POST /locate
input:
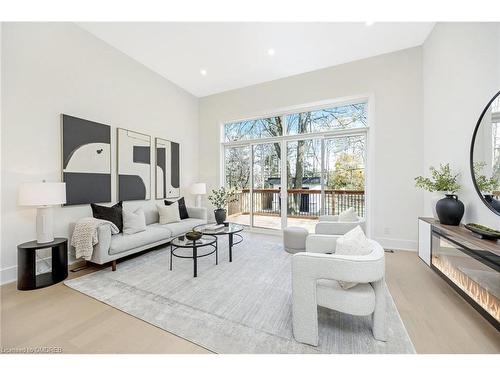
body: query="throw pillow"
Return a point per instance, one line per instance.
(134, 222)
(348, 215)
(183, 213)
(113, 213)
(353, 242)
(169, 214)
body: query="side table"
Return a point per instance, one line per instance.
(27, 279)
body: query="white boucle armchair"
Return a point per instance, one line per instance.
(315, 275)
(330, 224)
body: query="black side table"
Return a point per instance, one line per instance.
(27, 279)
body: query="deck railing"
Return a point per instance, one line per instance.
(302, 203)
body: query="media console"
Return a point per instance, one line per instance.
(469, 264)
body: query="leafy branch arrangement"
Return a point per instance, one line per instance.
(442, 179)
(484, 184)
(221, 197)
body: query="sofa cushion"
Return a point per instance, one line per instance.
(134, 222)
(113, 213)
(153, 233)
(183, 226)
(183, 213)
(169, 214)
(151, 214)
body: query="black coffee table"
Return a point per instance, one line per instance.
(231, 230)
(205, 241)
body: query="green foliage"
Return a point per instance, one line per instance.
(221, 197)
(485, 184)
(349, 173)
(442, 179)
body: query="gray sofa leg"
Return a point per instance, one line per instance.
(113, 265)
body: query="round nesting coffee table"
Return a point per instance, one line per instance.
(206, 241)
(231, 230)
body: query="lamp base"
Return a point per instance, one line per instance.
(44, 224)
(198, 200)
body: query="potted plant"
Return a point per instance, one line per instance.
(443, 181)
(486, 185)
(220, 198)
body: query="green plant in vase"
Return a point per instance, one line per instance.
(220, 198)
(443, 181)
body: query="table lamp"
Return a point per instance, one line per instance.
(43, 195)
(199, 189)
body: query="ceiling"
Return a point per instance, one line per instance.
(236, 55)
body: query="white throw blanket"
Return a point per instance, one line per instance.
(85, 236)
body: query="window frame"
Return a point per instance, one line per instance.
(285, 138)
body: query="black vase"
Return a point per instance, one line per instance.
(220, 215)
(450, 210)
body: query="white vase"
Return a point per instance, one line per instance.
(436, 195)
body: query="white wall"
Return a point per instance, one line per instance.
(461, 73)
(395, 82)
(54, 68)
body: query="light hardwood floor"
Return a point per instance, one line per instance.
(438, 320)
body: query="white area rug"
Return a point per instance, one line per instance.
(239, 307)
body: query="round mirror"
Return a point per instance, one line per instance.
(485, 155)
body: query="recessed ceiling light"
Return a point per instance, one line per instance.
(271, 52)
(203, 72)
(369, 23)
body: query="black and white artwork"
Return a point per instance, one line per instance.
(167, 169)
(86, 149)
(134, 165)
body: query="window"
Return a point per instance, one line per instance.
(253, 129)
(344, 117)
(323, 166)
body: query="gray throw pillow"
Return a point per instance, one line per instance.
(134, 222)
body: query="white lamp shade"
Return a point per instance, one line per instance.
(199, 188)
(42, 193)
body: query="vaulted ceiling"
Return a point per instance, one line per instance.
(208, 58)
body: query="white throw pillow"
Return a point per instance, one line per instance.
(353, 242)
(133, 222)
(169, 214)
(348, 215)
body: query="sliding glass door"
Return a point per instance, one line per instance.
(237, 176)
(304, 183)
(344, 174)
(290, 169)
(266, 202)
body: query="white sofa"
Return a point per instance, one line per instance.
(330, 224)
(112, 247)
(315, 275)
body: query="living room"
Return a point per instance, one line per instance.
(250, 187)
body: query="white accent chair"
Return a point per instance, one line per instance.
(315, 275)
(330, 224)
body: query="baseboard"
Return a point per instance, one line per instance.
(397, 244)
(272, 232)
(8, 275)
